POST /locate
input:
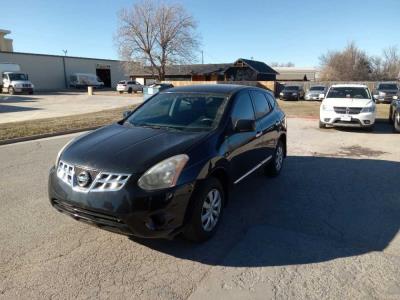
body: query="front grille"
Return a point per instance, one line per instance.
(26, 85)
(100, 181)
(347, 110)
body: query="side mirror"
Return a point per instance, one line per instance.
(126, 113)
(245, 125)
(321, 96)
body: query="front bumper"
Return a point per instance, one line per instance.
(129, 211)
(312, 97)
(289, 97)
(360, 120)
(23, 90)
(386, 99)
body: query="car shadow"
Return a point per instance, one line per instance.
(318, 209)
(13, 108)
(17, 99)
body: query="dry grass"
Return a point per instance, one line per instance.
(60, 124)
(310, 109)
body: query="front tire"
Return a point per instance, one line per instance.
(396, 125)
(11, 91)
(322, 125)
(274, 167)
(206, 210)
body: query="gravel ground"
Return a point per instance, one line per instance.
(326, 228)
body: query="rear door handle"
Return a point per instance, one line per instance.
(258, 134)
(277, 123)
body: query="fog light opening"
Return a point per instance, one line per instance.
(327, 120)
(367, 122)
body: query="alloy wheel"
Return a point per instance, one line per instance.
(211, 210)
(279, 157)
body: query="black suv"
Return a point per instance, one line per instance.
(292, 92)
(385, 91)
(168, 166)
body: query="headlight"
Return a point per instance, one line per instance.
(368, 109)
(18, 85)
(382, 94)
(281, 94)
(165, 174)
(294, 94)
(327, 107)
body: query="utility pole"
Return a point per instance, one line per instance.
(65, 72)
(202, 57)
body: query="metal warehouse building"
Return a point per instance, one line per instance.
(51, 72)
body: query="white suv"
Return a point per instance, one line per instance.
(129, 86)
(348, 105)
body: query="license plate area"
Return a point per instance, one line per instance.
(345, 118)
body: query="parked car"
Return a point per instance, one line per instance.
(385, 91)
(394, 113)
(292, 92)
(83, 80)
(348, 105)
(154, 88)
(316, 92)
(169, 165)
(129, 86)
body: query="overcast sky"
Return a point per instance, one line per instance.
(271, 31)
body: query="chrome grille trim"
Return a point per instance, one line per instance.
(347, 110)
(103, 182)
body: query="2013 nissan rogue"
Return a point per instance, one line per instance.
(169, 165)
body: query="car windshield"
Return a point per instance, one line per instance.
(387, 86)
(349, 92)
(317, 88)
(291, 88)
(180, 111)
(18, 76)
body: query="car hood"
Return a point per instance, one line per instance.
(21, 82)
(122, 149)
(347, 102)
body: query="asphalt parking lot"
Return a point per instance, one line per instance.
(58, 104)
(328, 227)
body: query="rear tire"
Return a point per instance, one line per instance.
(274, 167)
(120, 92)
(130, 91)
(207, 203)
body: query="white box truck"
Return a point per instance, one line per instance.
(13, 80)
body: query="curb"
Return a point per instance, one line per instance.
(45, 135)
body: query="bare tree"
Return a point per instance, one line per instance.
(391, 63)
(156, 34)
(349, 64)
